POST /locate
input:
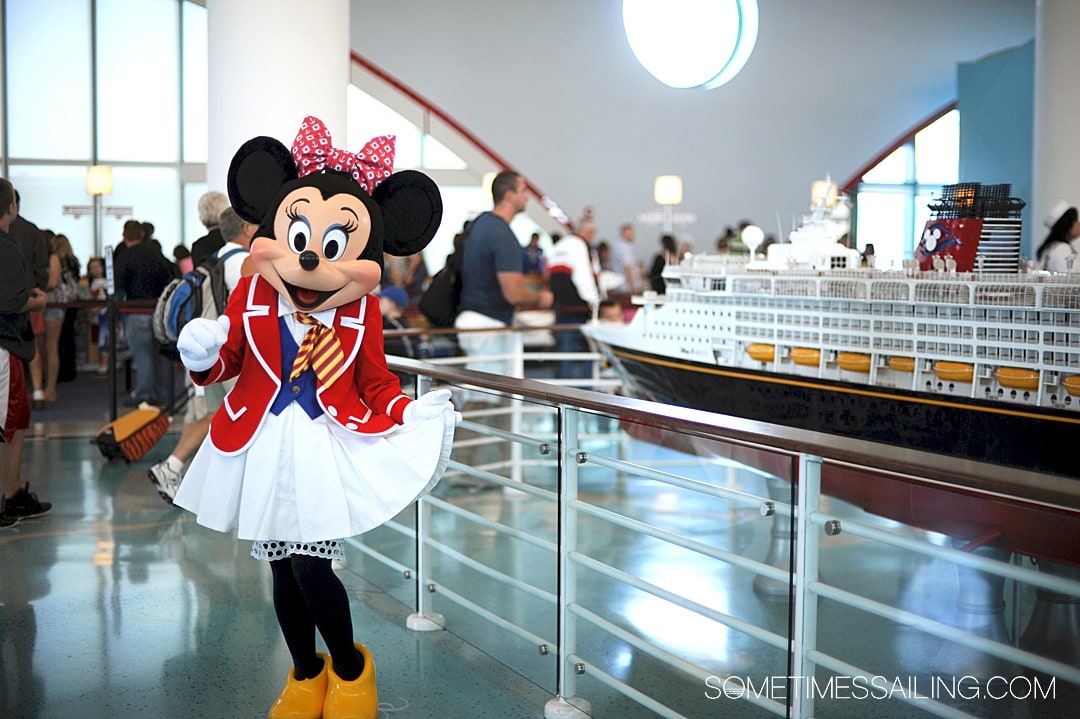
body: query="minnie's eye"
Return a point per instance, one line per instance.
(299, 234)
(333, 243)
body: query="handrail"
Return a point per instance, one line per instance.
(1017, 485)
(598, 481)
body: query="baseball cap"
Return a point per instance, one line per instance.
(397, 294)
(1055, 214)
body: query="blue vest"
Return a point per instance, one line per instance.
(302, 389)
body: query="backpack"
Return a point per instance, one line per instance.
(199, 293)
(440, 301)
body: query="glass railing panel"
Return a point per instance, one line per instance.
(930, 601)
(679, 589)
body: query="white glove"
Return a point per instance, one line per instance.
(429, 406)
(200, 342)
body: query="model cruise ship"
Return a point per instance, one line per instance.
(981, 364)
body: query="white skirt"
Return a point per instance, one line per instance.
(307, 480)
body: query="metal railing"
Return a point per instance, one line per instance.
(647, 560)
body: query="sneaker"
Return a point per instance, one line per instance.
(25, 504)
(7, 522)
(165, 479)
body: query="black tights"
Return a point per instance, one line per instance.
(308, 595)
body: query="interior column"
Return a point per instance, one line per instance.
(271, 62)
(1055, 171)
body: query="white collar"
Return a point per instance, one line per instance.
(284, 308)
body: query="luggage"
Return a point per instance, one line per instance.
(131, 436)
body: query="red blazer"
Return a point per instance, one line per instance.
(365, 399)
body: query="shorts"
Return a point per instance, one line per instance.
(196, 408)
(54, 313)
(14, 402)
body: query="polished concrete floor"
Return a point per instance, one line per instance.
(116, 604)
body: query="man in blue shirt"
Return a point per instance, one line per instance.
(492, 283)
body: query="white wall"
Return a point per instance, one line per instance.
(552, 86)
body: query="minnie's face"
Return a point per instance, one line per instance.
(315, 260)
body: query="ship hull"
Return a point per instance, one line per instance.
(1013, 435)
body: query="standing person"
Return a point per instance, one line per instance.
(416, 277)
(1058, 252)
(38, 365)
(98, 288)
(40, 273)
(576, 296)
(492, 283)
(669, 254)
(65, 291)
(18, 297)
(167, 474)
(211, 205)
(141, 274)
(624, 263)
(532, 257)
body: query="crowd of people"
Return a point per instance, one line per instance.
(42, 321)
(580, 278)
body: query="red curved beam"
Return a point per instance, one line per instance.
(849, 185)
(427, 105)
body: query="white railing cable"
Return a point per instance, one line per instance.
(573, 564)
(639, 527)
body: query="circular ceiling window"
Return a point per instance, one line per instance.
(691, 43)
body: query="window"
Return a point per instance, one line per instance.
(892, 197)
(691, 43)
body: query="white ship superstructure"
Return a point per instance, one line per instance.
(1013, 338)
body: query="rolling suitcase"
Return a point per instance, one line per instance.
(131, 436)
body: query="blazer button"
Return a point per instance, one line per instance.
(295, 390)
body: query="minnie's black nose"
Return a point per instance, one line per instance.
(309, 260)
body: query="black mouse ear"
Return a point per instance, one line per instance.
(256, 174)
(412, 210)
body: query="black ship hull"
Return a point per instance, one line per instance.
(1032, 438)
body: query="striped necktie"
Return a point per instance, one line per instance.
(320, 350)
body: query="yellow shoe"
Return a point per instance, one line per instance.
(302, 699)
(357, 699)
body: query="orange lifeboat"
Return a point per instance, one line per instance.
(902, 364)
(853, 361)
(761, 352)
(806, 356)
(1016, 378)
(1072, 384)
(954, 371)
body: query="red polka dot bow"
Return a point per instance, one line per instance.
(313, 152)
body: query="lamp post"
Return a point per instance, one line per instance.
(667, 192)
(98, 183)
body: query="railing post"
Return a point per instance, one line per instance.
(566, 678)
(423, 619)
(517, 471)
(807, 541)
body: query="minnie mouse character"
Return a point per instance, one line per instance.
(316, 442)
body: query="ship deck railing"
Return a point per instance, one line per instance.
(679, 494)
